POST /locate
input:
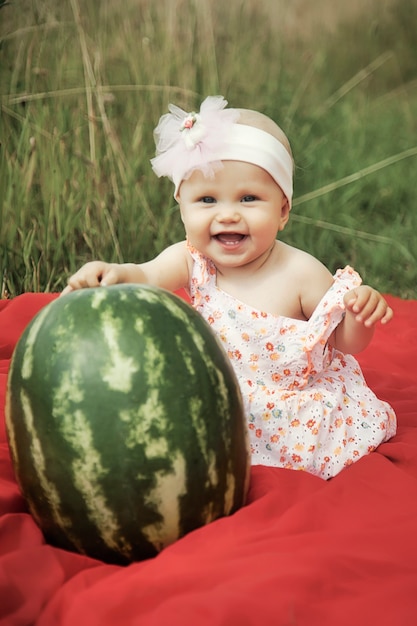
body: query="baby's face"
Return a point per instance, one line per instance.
(233, 218)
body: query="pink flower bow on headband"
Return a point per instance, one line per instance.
(189, 141)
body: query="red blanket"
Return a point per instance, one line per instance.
(303, 551)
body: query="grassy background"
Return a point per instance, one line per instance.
(83, 84)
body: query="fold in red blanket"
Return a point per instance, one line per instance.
(301, 552)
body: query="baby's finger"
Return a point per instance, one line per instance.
(66, 290)
(378, 312)
(366, 302)
(84, 278)
(389, 314)
(109, 277)
(363, 302)
(351, 301)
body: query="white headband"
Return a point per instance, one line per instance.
(189, 141)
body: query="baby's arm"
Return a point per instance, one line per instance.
(169, 270)
(364, 308)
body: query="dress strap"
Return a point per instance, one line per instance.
(203, 274)
(331, 310)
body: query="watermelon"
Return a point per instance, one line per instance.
(125, 422)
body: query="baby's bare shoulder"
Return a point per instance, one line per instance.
(300, 261)
(311, 277)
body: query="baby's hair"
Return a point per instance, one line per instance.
(265, 123)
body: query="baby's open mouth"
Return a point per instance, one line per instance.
(229, 239)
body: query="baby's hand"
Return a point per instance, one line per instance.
(93, 274)
(367, 305)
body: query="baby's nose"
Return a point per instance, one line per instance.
(228, 213)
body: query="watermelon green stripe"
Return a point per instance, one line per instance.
(88, 472)
(165, 495)
(35, 453)
(27, 363)
(39, 464)
(134, 419)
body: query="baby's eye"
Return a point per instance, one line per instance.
(248, 198)
(207, 200)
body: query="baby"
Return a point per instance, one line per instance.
(290, 328)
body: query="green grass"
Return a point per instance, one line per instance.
(82, 86)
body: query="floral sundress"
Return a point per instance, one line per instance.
(308, 406)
